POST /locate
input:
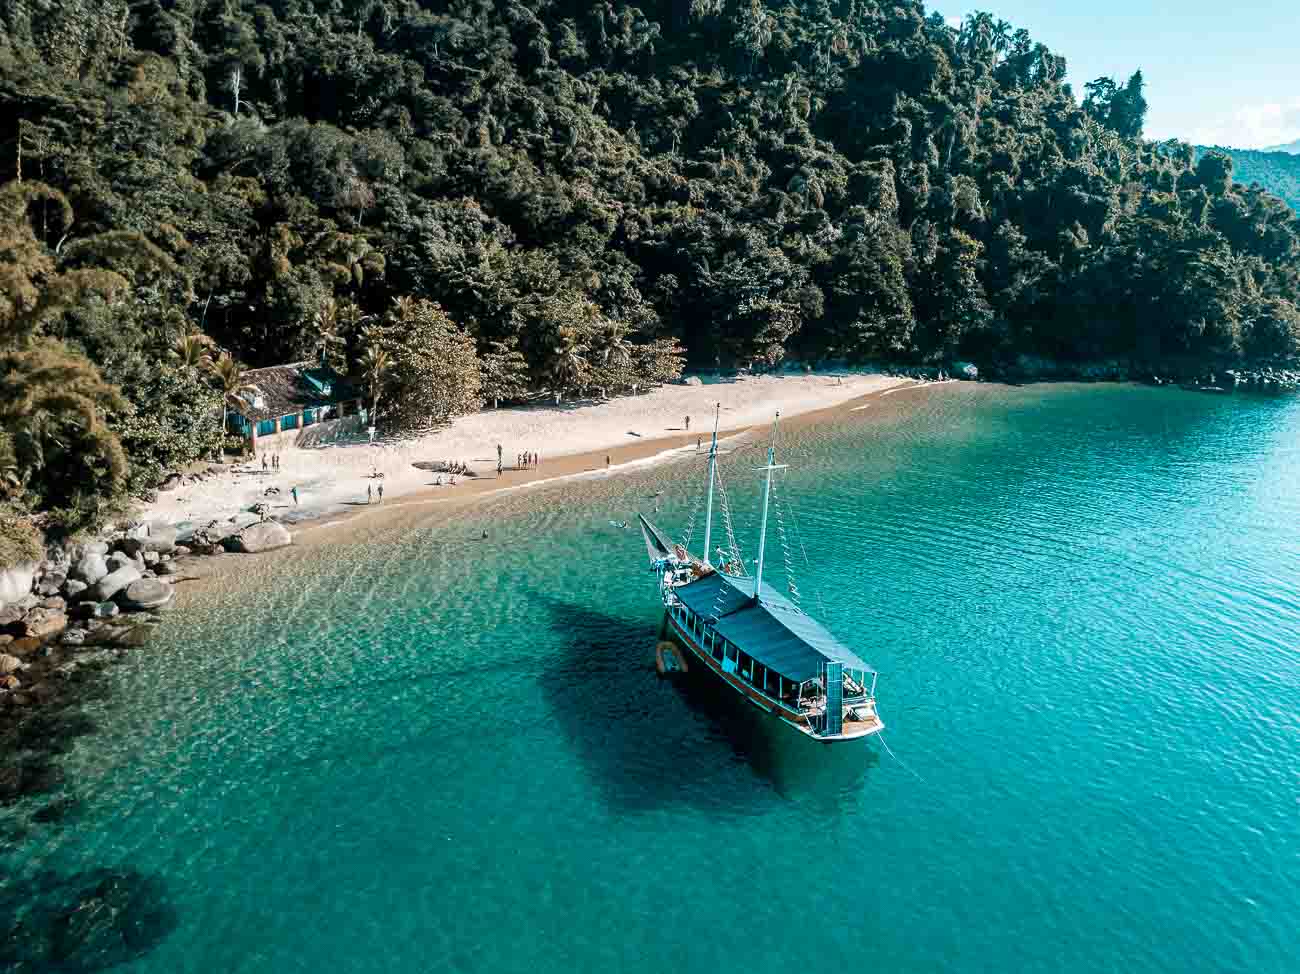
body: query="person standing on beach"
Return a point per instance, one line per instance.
(263, 462)
(688, 424)
(294, 491)
(499, 467)
(381, 492)
(499, 454)
(370, 492)
(607, 459)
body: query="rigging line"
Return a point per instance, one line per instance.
(906, 767)
(738, 564)
(785, 548)
(798, 533)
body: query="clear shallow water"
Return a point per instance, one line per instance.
(424, 752)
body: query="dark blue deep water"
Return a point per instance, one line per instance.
(406, 749)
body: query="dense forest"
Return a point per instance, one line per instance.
(1276, 171)
(571, 196)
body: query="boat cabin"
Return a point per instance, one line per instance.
(781, 654)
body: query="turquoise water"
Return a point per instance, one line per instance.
(426, 752)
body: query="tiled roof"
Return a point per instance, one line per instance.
(283, 390)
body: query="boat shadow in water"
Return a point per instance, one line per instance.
(651, 743)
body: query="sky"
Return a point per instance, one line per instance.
(1216, 73)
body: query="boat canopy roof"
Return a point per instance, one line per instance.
(772, 630)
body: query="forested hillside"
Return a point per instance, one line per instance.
(1276, 171)
(553, 194)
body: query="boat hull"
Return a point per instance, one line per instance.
(701, 661)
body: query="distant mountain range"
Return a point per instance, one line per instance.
(1276, 170)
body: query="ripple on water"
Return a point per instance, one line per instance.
(407, 748)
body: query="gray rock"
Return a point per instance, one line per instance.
(28, 601)
(130, 545)
(16, 581)
(104, 610)
(8, 664)
(95, 548)
(146, 593)
(150, 558)
(180, 551)
(171, 482)
(54, 602)
(264, 536)
(74, 587)
(91, 568)
(44, 622)
(166, 568)
(119, 559)
(73, 637)
(10, 616)
(51, 583)
(113, 582)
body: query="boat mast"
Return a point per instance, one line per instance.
(708, 507)
(767, 492)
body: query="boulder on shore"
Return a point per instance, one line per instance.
(255, 538)
(44, 622)
(113, 582)
(16, 581)
(145, 593)
(90, 568)
(74, 587)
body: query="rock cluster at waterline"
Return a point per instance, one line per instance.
(103, 595)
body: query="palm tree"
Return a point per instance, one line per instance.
(1001, 37)
(230, 379)
(327, 342)
(375, 365)
(570, 363)
(191, 351)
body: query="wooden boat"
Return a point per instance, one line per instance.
(755, 640)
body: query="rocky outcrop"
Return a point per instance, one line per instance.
(90, 568)
(146, 593)
(264, 536)
(40, 623)
(16, 581)
(112, 583)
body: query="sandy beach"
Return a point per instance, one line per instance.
(571, 439)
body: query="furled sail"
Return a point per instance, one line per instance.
(657, 544)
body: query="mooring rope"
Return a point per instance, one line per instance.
(885, 745)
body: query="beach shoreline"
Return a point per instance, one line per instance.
(574, 440)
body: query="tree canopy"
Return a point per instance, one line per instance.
(574, 196)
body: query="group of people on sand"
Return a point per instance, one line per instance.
(274, 459)
(523, 461)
